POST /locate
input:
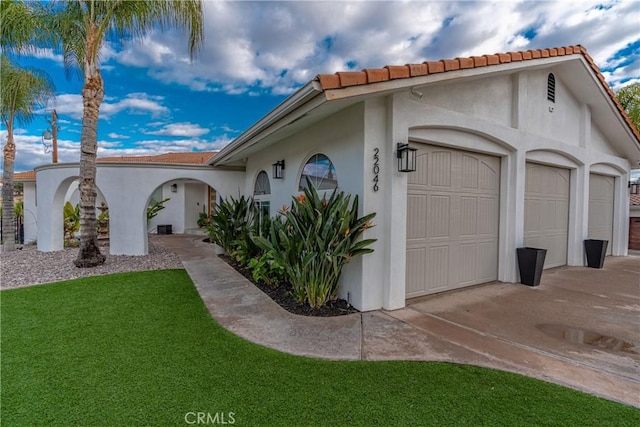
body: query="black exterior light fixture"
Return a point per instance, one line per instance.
(278, 167)
(406, 158)
(174, 188)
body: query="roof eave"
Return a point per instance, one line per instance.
(301, 97)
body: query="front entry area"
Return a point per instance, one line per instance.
(453, 213)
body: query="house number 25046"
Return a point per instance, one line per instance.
(376, 168)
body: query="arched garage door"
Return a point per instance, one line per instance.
(546, 214)
(453, 206)
(601, 192)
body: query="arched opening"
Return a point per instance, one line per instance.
(70, 208)
(180, 206)
(320, 171)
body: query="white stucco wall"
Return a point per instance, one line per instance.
(30, 213)
(471, 97)
(195, 199)
(340, 137)
(127, 209)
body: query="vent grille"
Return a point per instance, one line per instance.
(551, 87)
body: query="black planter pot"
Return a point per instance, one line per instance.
(595, 250)
(531, 263)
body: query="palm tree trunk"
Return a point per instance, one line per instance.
(92, 95)
(8, 217)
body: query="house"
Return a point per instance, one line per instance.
(513, 149)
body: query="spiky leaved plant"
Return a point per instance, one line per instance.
(317, 237)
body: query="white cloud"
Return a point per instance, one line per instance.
(181, 129)
(133, 103)
(114, 135)
(242, 53)
(47, 53)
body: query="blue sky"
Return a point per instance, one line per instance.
(255, 54)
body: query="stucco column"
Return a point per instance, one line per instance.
(395, 213)
(50, 201)
(578, 215)
(620, 246)
(30, 213)
(515, 216)
(127, 227)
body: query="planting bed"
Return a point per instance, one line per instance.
(281, 295)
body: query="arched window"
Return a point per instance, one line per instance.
(262, 186)
(321, 172)
(262, 194)
(551, 87)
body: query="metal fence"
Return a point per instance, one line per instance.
(19, 230)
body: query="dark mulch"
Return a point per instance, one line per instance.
(281, 295)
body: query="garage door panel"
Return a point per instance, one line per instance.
(601, 198)
(440, 169)
(437, 267)
(546, 219)
(488, 211)
(486, 266)
(416, 209)
(489, 176)
(438, 215)
(416, 270)
(468, 216)
(461, 217)
(467, 269)
(419, 178)
(470, 166)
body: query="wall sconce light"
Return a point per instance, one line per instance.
(278, 167)
(634, 187)
(406, 158)
(174, 188)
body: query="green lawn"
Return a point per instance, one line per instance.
(141, 349)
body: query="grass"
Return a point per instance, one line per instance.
(142, 349)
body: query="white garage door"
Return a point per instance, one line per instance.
(453, 207)
(601, 208)
(546, 213)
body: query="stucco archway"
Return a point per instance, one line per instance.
(127, 189)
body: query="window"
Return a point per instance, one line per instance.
(262, 186)
(262, 194)
(551, 87)
(211, 196)
(321, 172)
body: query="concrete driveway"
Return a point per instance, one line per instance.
(580, 327)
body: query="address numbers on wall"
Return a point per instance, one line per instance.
(376, 168)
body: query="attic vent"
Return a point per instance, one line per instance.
(551, 87)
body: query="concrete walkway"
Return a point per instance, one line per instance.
(538, 332)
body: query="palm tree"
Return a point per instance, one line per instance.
(20, 91)
(83, 26)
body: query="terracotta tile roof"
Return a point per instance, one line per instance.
(24, 176)
(634, 199)
(344, 79)
(188, 158)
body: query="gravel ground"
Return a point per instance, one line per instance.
(29, 267)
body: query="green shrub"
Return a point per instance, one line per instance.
(231, 227)
(317, 238)
(155, 207)
(71, 225)
(265, 269)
